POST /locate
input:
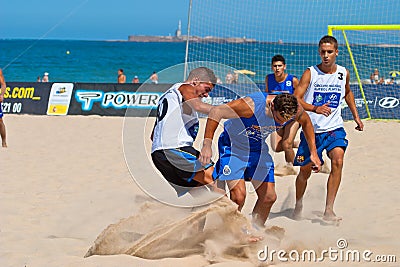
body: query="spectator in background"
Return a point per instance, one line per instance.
(229, 78)
(39, 79)
(2, 125)
(121, 76)
(135, 79)
(154, 78)
(375, 77)
(45, 77)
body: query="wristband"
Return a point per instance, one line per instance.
(315, 109)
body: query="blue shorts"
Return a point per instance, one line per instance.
(328, 140)
(1, 111)
(242, 164)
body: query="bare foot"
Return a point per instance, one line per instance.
(331, 217)
(4, 144)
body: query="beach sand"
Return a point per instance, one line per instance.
(65, 179)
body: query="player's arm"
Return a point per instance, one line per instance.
(3, 86)
(349, 98)
(308, 130)
(266, 83)
(243, 107)
(295, 83)
(301, 90)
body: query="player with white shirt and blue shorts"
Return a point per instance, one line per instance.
(321, 91)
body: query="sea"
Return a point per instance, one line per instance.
(99, 61)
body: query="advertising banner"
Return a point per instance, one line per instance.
(383, 102)
(109, 99)
(26, 98)
(115, 99)
(60, 97)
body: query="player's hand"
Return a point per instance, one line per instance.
(324, 109)
(316, 163)
(360, 124)
(206, 152)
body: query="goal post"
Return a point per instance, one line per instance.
(246, 34)
(343, 29)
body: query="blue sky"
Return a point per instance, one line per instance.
(109, 20)
(90, 19)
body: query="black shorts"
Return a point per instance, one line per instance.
(178, 165)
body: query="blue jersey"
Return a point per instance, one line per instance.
(243, 152)
(250, 133)
(278, 88)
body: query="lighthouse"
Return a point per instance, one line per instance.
(178, 33)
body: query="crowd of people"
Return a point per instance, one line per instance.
(243, 155)
(377, 78)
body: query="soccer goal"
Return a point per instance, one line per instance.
(246, 34)
(373, 51)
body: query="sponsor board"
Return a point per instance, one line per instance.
(59, 99)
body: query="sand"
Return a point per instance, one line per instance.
(64, 180)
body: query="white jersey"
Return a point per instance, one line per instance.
(324, 88)
(173, 127)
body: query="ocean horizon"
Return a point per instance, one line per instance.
(23, 60)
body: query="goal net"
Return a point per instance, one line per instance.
(372, 54)
(246, 34)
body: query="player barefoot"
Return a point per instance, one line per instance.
(321, 91)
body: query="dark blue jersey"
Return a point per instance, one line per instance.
(278, 88)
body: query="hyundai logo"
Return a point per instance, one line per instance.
(389, 102)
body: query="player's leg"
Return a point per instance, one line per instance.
(204, 177)
(335, 143)
(266, 198)
(336, 155)
(237, 191)
(263, 181)
(302, 159)
(3, 133)
(276, 138)
(301, 185)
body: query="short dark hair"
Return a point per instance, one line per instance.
(278, 58)
(328, 39)
(286, 105)
(203, 74)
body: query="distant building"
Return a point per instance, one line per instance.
(178, 33)
(182, 38)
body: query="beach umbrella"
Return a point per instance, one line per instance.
(394, 73)
(246, 72)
